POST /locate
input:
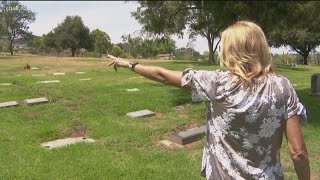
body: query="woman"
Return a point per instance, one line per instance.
(248, 108)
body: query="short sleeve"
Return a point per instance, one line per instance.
(204, 83)
(294, 107)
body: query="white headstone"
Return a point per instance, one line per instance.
(58, 74)
(140, 114)
(80, 72)
(34, 68)
(65, 142)
(36, 101)
(50, 81)
(5, 84)
(9, 104)
(85, 79)
(133, 90)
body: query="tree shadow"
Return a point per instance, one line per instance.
(286, 67)
(312, 105)
(199, 63)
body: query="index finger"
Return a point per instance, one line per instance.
(112, 57)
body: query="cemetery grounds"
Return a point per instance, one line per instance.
(125, 148)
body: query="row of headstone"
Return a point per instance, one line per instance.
(179, 138)
(29, 102)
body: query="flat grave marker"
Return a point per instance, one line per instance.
(35, 101)
(183, 106)
(138, 77)
(9, 104)
(315, 84)
(34, 68)
(85, 79)
(170, 144)
(58, 74)
(65, 142)
(5, 84)
(133, 90)
(141, 114)
(188, 136)
(80, 72)
(50, 81)
(38, 75)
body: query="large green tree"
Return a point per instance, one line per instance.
(116, 51)
(101, 41)
(72, 34)
(173, 17)
(293, 24)
(300, 29)
(15, 19)
(149, 47)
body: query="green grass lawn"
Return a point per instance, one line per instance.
(125, 148)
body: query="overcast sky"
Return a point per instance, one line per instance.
(113, 17)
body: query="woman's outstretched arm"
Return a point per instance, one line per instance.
(155, 73)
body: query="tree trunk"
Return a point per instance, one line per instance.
(10, 47)
(305, 58)
(211, 53)
(73, 51)
(100, 54)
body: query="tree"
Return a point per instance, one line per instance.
(148, 47)
(15, 19)
(293, 24)
(101, 41)
(116, 51)
(200, 17)
(73, 34)
(300, 30)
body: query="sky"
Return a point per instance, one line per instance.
(112, 17)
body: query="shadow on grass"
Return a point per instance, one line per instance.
(199, 63)
(312, 105)
(9, 57)
(286, 67)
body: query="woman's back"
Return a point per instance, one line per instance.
(245, 127)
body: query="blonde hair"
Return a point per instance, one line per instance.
(245, 52)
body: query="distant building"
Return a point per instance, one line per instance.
(165, 56)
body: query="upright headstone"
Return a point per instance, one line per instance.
(65, 142)
(315, 84)
(188, 136)
(141, 114)
(36, 101)
(9, 104)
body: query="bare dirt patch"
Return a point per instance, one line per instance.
(31, 114)
(152, 123)
(73, 107)
(76, 129)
